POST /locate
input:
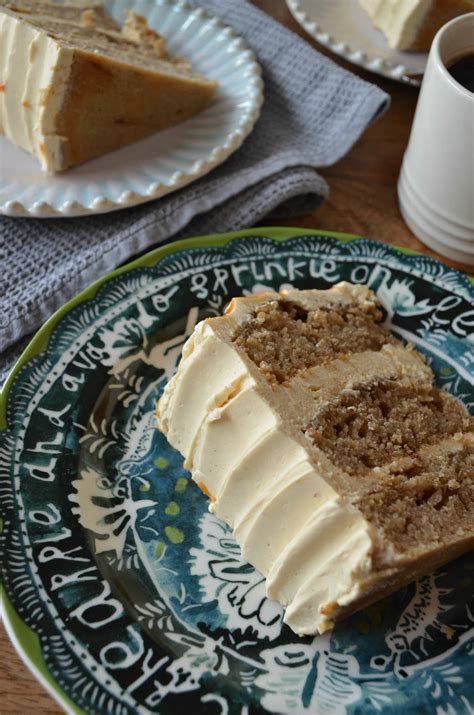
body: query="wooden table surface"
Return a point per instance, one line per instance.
(363, 201)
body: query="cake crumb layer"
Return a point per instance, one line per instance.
(371, 425)
(430, 502)
(284, 338)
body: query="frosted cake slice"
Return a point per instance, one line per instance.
(74, 85)
(323, 443)
(412, 24)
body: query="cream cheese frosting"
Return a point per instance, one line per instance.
(34, 72)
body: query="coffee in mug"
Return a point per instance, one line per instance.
(462, 69)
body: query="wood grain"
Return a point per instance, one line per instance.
(20, 693)
(363, 201)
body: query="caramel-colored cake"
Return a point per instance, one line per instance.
(74, 85)
(325, 445)
(412, 24)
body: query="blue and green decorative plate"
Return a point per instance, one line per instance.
(120, 589)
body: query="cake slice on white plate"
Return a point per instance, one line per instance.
(412, 24)
(74, 85)
(322, 441)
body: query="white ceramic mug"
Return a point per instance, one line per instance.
(436, 184)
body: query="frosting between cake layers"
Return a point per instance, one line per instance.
(34, 71)
(258, 477)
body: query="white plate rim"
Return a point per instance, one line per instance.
(101, 204)
(373, 63)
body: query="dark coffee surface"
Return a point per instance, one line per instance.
(462, 70)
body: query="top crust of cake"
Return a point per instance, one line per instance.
(86, 27)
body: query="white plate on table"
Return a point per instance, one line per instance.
(166, 161)
(345, 28)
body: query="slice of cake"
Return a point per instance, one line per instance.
(412, 24)
(74, 85)
(323, 442)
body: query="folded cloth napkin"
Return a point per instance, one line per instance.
(313, 113)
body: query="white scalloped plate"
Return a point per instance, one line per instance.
(167, 160)
(344, 28)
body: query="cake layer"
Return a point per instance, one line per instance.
(425, 502)
(312, 461)
(283, 338)
(373, 424)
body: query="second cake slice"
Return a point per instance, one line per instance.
(74, 85)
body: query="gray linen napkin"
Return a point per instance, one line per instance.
(314, 111)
